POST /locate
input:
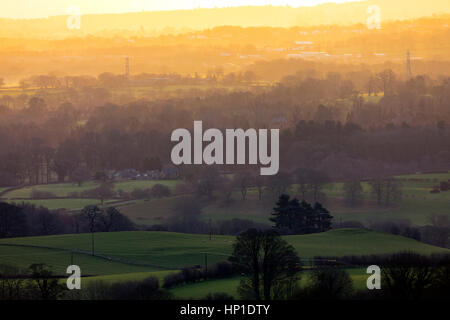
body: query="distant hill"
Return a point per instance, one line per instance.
(197, 19)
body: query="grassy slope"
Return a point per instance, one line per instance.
(155, 211)
(170, 250)
(64, 189)
(174, 250)
(59, 260)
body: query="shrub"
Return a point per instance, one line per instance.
(160, 191)
(407, 275)
(330, 283)
(147, 289)
(173, 280)
(191, 275)
(220, 270)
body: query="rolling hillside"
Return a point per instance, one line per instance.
(126, 252)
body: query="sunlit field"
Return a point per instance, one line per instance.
(225, 150)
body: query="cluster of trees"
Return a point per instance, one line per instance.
(386, 191)
(294, 217)
(36, 283)
(20, 220)
(110, 81)
(210, 183)
(78, 132)
(40, 283)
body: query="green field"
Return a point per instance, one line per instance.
(427, 176)
(137, 255)
(67, 204)
(23, 257)
(164, 250)
(135, 276)
(61, 190)
(154, 211)
(64, 189)
(417, 203)
(229, 286)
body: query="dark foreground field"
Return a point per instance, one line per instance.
(121, 256)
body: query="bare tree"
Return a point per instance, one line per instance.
(353, 191)
(260, 183)
(386, 190)
(243, 181)
(386, 78)
(92, 214)
(80, 175)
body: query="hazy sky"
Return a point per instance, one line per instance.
(44, 8)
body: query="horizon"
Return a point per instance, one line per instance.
(14, 10)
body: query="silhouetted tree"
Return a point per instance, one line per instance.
(45, 284)
(292, 216)
(407, 275)
(267, 261)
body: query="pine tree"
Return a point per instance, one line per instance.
(294, 217)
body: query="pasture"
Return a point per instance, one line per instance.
(139, 251)
(416, 205)
(65, 189)
(62, 193)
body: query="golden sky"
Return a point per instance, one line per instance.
(45, 8)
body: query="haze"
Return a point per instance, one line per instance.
(45, 8)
